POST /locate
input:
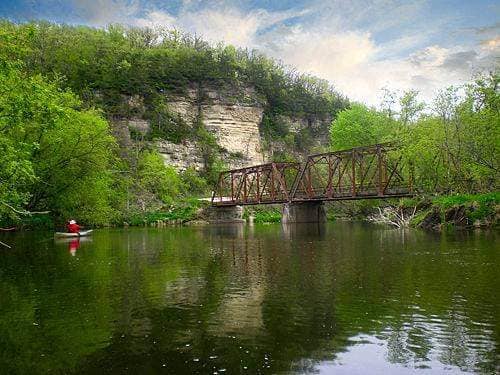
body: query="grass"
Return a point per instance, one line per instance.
(410, 202)
(419, 217)
(264, 214)
(273, 216)
(330, 215)
(478, 206)
(459, 199)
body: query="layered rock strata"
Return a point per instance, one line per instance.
(233, 114)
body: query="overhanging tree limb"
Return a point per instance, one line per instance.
(4, 244)
(24, 212)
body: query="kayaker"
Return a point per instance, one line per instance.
(73, 227)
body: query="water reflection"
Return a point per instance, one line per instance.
(305, 298)
(73, 244)
(293, 231)
(231, 230)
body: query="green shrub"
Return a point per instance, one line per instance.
(183, 211)
(478, 206)
(193, 182)
(264, 214)
(161, 180)
(419, 217)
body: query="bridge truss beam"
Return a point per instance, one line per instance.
(370, 172)
(260, 184)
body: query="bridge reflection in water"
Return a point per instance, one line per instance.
(377, 171)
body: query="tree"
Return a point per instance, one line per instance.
(16, 173)
(52, 147)
(455, 148)
(193, 182)
(411, 108)
(157, 178)
(105, 66)
(360, 126)
(388, 102)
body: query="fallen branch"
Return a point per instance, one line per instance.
(393, 216)
(8, 229)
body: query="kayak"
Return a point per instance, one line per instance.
(79, 234)
(68, 240)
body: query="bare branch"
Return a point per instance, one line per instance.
(4, 244)
(393, 216)
(8, 229)
(24, 212)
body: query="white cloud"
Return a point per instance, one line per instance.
(492, 44)
(230, 25)
(337, 57)
(156, 18)
(104, 12)
(351, 61)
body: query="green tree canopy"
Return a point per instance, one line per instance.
(454, 148)
(161, 180)
(360, 126)
(55, 152)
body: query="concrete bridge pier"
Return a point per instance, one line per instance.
(303, 212)
(225, 214)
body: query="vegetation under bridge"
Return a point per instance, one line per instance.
(371, 172)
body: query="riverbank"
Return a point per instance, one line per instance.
(463, 211)
(460, 211)
(181, 212)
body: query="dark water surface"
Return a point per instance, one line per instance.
(342, 298)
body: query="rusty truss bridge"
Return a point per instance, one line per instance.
(370, 172)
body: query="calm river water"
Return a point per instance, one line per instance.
(342, 298)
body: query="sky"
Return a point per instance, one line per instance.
(359, 46)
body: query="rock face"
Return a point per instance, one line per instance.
(318, 126)
(315, 138)
(233, 114)
(236, 128)
(229, 214)
(181, 156)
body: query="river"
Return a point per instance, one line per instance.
(341, 298)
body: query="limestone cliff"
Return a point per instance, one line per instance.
(233, 114)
